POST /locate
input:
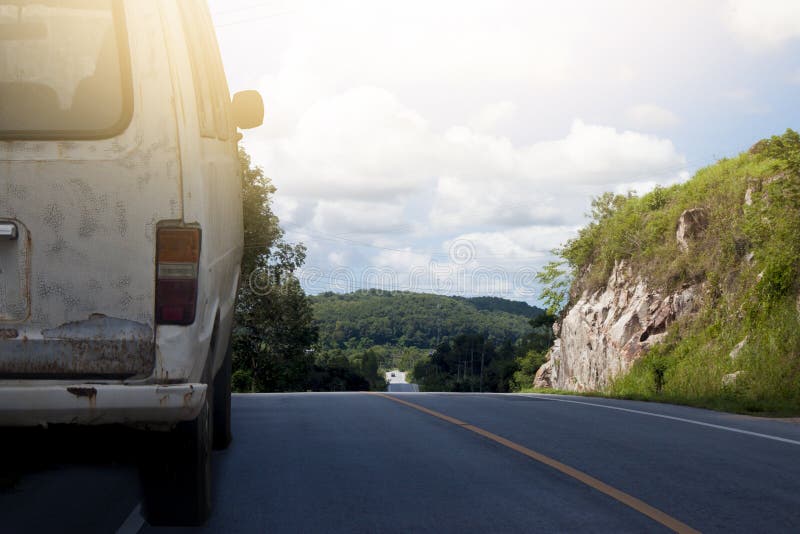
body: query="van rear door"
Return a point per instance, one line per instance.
(89, 169)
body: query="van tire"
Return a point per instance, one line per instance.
(222, 403)
(176, 475)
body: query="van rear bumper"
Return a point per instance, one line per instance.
(99, 404)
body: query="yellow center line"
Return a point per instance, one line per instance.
(626, 499)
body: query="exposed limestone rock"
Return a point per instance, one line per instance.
(606, 331)
(774, 178)
(737, 349)
(546, 374)
(730, 379)
(691, 224)
(755, 185)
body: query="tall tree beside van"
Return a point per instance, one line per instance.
(273, 315)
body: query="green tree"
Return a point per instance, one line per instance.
(262, 230)
(274, 318)
(607, 204)
(555, 282)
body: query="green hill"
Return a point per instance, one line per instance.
(747, 261)
(514, 307)
(373, 317)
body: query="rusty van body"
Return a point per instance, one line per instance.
(120, 223)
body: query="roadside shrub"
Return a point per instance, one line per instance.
(242, 381)
(778, 277)
(528, 365)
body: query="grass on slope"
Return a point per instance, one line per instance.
(749, 262)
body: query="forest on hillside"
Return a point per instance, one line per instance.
(285, 340)
(447, 343)
(373, 317)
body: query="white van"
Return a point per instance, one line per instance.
(121, 229)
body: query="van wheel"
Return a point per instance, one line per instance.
(222, 403)
(176, 476)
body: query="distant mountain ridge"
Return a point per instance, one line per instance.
(406, 319)
(515, 307)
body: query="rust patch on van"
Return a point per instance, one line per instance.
(98, 346)
(8, 333)
(83, 392)
(187, 397)
(90, 393)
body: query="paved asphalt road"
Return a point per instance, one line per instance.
(402, 387)
(355, 462)
(396, 383)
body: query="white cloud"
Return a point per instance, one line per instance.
(462, 204)
(649, 116)
(408, 125)
(332, 47)
(362, 162)
(356, 217)
(337, 258)
(401, 261)
(644, 187)
(492, 116)
(601, 155)
(528, 243)
(363, 179)
(624, 74)
(546, 182)
(764, 23)
(360, 144)
(286, 208)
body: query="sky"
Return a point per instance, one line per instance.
(449, 146)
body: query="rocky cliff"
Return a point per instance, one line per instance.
(689, 293)
(604, 332)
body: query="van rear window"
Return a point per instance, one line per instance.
(64, 69)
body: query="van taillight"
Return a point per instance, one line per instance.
(177, 257)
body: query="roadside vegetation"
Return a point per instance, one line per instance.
(274, 333)
(748, 260)
(285, 340)
(444, 343)
(476, 362)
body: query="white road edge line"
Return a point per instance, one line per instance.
(690, 421)
(134, 523)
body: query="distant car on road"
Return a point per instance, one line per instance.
(121, 230)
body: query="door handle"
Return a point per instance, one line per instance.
(8, 231)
